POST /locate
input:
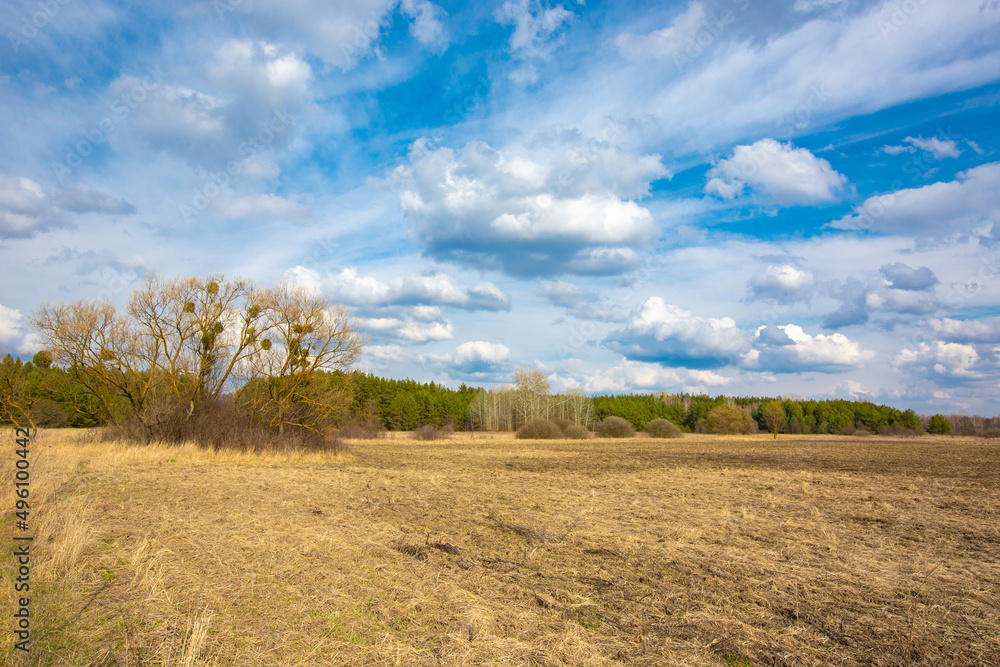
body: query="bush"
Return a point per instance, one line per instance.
(539, 429)
(663, 428)
(361, 430)
(899, 429)
(562, 423)
(428, 432)
(614, 427)
(48, 413)
(730, 420)
(576, 432)
(861, 433)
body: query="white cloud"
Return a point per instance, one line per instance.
(480, 359)
(666, 42)
(941, 361)
(10, 324)
(640, 376)
(481, 351)
(407, 329)
(971, 201)
(535, 27)
(413, 290)
(785, 174)
(815, 73)
(257, 90)
(965, 331)
(901, 301)
(782, 283)
(341, 32)
(426, 23)
(259, 69)
(26, 209)
(937, 147)
(660, 332)
(260, 207)
(499, 210)
(789, 349)
(901, 276)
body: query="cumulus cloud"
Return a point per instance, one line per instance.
(903, 277)
(941, 361)
(10, 324)
(497, 210)
(900, 290)
(433, 289)
(480, 359)
(789, 349)
(667, 42)
(257, 90)
(407, 329)
(782, 283)
(629, 375)
(969, 202)
(965, 331)
(665, 333)
(26, 209)
(786, 175)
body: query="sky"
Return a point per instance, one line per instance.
(741, 197)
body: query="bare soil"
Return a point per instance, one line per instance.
(486, 550)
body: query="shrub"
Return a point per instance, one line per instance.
(576, 432)
(899, 429)
(730, 420)
(562, 423)
(862, 433)
(361, 430)
(663, 428)
(539, 429)
(48, 413)
(614, 427)
(428, 432)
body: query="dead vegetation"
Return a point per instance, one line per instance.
(486, 550)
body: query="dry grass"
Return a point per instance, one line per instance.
(490, 550)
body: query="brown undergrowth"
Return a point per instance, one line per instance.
(489, 550)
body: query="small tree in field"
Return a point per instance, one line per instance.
(730, 420)
(774, 417)
(939, 425)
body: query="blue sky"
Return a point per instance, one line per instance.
(732, 196)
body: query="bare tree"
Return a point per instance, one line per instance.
(183, 342)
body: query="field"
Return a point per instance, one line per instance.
(485, 550)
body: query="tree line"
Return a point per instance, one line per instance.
(54, 396)
(215, 358)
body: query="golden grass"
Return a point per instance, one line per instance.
(486, 550)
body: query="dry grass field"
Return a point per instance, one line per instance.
(495, 551)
